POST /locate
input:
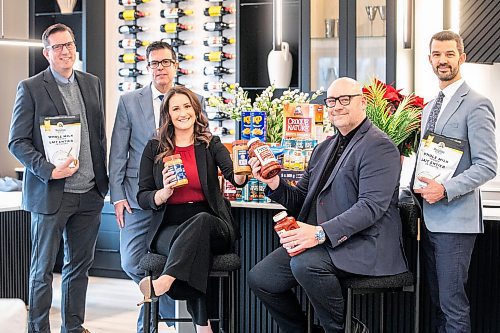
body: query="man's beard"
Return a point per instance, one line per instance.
(446, 77)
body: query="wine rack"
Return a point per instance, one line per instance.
(216, 58)
(131, 15)
(173, 13)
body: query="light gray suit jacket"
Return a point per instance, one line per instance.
(468, 116)
(134, 126)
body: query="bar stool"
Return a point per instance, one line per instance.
(224, 266)
(410, 212)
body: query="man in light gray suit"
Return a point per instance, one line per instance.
(137, 119)
(452, 210)
(346, 202)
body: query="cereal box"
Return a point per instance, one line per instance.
(299, 120)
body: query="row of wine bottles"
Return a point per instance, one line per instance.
(207, 71)
(213, 87)
(214, 56)
(212, 41)
(138, 2)
(173, 27)
(173, 13)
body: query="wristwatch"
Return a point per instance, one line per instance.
(320, 235)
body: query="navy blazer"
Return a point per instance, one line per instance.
(357, 207)
(208, 160)
(40, 96)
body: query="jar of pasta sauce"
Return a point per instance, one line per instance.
(268, 162)
(174, 163)
(286, 223)
(240, 158)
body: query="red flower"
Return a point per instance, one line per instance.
(418, 102)
(393, 95)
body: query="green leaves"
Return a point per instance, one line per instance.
(399, 118)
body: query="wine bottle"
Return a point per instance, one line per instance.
(182, 57)
(217, 26)
(131, 14)
(218, 56)
(171, 13)
(175, 42)
(129, 86)
(218, 11)
(173, 27)
(132, 43)
(218, 70)
(172, 1)
(214, 0)
(213, 86)
(132, 2)
(183, 71)
(131, 58)
(218, 41)
(131, 29)
(130, 72)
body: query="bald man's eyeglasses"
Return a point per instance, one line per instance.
(344, 100)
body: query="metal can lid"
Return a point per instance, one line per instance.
(280, 216)
(251, 141)
(171, 157)
(240, 142)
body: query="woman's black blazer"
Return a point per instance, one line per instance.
(207, 161)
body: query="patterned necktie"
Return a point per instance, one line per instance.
(433, 116)
(160, 122)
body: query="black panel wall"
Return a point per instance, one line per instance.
(480, 29)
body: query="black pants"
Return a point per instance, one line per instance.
(189, 237)
(273, 278)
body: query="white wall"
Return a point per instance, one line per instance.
(14, 69)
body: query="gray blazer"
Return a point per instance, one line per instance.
(357, 207)
(468, 116)
(134, 126)
(39, 96)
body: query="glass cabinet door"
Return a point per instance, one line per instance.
(349, 38)
(370, 40)
(324, 42)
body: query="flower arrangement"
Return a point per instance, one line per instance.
(264, 102)
(396, 115)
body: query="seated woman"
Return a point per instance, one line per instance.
(192, 223)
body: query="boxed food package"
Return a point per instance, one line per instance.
(300, 119)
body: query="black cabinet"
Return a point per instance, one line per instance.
(255, 41)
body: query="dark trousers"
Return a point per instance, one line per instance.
(446, 257)
(189, 247)
(77, 222)
(273, 278)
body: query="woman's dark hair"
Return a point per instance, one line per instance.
(166, 133)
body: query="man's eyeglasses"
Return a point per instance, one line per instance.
(59, 47)
(344, 100)
(165, 63)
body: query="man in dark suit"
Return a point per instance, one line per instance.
(137, 118)
(452, 210)
(65, 201)
(350, 225)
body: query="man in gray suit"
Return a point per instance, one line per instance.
(64, 201)
(137, 118)
(346, 201)
(452, 210)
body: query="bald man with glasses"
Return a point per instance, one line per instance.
(346, 207)
(65, 201)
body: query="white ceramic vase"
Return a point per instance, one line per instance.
(279, 66)
(66, 6)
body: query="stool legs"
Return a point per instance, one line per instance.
(348, 315)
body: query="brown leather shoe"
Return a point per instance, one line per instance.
(85, 331)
